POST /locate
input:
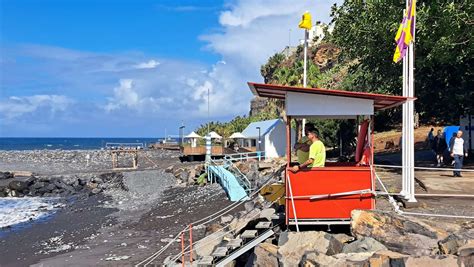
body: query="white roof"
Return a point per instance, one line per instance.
(236, 135)
(193, 135)
(265, 127)
(215, 135)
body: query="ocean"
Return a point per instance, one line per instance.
(20, 143)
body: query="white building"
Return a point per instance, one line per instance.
(272, 136)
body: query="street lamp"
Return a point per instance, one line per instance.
(181, 134)
(259, 141)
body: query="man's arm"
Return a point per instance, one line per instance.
(302, 166)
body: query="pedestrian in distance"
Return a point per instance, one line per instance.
(439, 146)
(430, 138)
(458, 151)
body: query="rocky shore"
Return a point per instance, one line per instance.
(58, 186)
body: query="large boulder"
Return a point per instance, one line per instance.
(316, 259)
(18, 186)
(294, 245)
(365, 244)
(398, 233)
(354, 259)
(209, 243)
(6, 175)
(264, 255)
(238, 224)
(433, 261)
(466, 255)
(385, 258)
(454, 241)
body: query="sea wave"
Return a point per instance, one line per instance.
(14, 211)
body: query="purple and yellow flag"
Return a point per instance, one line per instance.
(405, 32)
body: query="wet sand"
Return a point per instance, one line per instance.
(113, 228)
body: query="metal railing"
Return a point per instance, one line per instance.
(259, 155)
(228, 165)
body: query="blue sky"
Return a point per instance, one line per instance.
(133, 68)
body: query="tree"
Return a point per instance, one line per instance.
(364, 30)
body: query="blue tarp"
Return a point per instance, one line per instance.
(448, 133)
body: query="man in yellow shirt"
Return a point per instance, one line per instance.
(303, 145)
(317, 153)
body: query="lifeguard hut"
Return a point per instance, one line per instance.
(327, 195)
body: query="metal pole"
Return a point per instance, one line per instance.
(305, 84)
(191, 244)
(182, 249)
(411, 111)
(404, 126)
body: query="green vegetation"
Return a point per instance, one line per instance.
(238, 124)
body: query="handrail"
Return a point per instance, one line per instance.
(245, 156)
(248, 186)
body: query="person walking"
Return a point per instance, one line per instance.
(439, 146)
(430, 138)
(457, 150)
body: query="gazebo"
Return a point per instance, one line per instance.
(193, 137)
(238, 137)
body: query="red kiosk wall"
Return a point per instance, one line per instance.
(329, 180)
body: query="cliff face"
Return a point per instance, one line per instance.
(257, 105)
(271, 108)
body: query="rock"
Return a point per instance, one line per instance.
(61, 185)
(432, 261)
(6, 175)
(451, 244)
(466, 255)
(401, 234)
(50, 187)
(31, 180)
(365, 244)
(316, 259)
(343, 238)
(249, 205)
(13, 193)
(3, 192)
(265, 255)
(18, 185)
(96, 191)
(209, 242)
(92, 185)
(169, 169)
(226, 219)
(38, 185)
(293, 245)
(355, 259)
(267, 213)
(387, 258)
(238, 224)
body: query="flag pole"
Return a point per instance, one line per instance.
(411, 111)
(305, 83)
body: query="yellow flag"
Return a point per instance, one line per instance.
(305, 22)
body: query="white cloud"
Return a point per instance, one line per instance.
(16, 106)
(151, 64)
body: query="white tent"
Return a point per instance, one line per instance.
(193, 137)
(214, 135)
(237, 135)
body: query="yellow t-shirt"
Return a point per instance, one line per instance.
(303, 156)
(317, 152)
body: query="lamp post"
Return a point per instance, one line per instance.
(181, 134)
(259, 141)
